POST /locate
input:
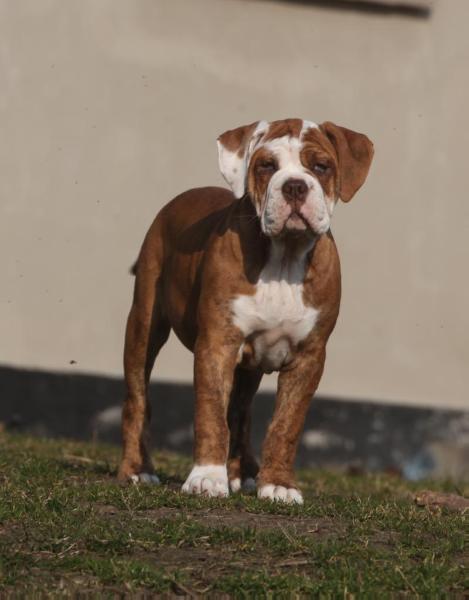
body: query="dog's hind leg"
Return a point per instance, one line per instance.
(242, 465)
(147, 331)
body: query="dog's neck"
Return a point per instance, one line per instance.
(286, 259)
(283, 257)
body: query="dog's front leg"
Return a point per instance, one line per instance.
(296, 386)
(214, 366)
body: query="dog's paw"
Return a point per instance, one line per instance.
(210, 480)
(279, 493)
(145, 478)
(247, 486)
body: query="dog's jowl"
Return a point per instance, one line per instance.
(249, 280)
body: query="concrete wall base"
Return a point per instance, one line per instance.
(351, 435)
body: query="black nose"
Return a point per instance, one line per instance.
(294, 191)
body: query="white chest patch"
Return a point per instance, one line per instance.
(275, 319)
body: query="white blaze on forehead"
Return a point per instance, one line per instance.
(286, 150)
(234, 165)
(306, 126)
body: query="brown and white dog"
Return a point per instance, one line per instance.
(249, 280)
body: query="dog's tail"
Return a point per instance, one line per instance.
(133, 268)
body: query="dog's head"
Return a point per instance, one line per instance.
(294, 171)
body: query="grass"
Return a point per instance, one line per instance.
(67, 527)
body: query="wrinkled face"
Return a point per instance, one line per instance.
(292, 180)
(294, 171)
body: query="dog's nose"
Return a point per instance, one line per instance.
(294, 191)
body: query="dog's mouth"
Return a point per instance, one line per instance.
(296, 222)
(288, 221)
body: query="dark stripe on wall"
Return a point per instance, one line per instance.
(406, 8)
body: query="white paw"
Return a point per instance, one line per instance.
(145, 478)
(248, 485)
(210, 480)
(278, 493)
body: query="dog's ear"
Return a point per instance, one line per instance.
(235, 148)
(354, 152)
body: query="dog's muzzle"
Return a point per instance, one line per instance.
(295, 204)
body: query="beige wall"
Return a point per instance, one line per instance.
(110, 107)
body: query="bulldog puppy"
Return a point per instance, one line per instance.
(249, 280)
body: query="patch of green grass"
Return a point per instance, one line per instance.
(67, 526)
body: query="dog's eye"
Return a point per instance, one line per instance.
(320, 168)
(266, 166)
